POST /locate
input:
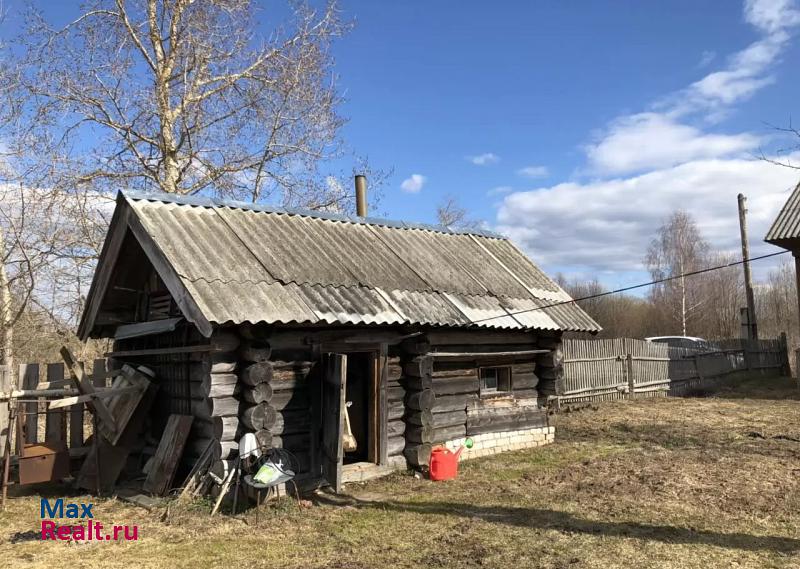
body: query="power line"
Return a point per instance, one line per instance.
(633, 287)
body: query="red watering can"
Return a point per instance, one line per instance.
(444, 462)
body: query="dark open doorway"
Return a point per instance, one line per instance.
(359, 401)
(351, 435)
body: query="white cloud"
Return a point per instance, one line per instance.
(500, 190)
(604, 226)
(484, 159)
(743, 76)
(771, 15)
(534, 172)
(664, 159)
(413, 184)
(667, 134)
(706, 58)
(747, 71)
(654, 140)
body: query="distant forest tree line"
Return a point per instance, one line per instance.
(706, 305)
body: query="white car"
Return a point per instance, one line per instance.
(690, 342)
(699, 345)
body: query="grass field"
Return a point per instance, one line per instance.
(706, 482)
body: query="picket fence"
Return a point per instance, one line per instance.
(622, 368)
(68, 425)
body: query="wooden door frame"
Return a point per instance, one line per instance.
(332, 457)
(379, 406)
(377, 451)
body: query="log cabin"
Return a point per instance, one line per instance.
(300, 326)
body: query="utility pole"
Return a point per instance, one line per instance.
(752, 329)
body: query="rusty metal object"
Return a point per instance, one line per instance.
(45, 462)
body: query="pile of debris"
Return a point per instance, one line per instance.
(119, 457)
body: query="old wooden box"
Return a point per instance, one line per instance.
(43, 463)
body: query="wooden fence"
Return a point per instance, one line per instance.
(622, 368)
(65, 425)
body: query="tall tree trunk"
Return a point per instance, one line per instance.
(6, 313)
(164, 66)
(683, 300)
(683, 306)
(171, 176)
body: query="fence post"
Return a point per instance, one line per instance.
(797, 366)
(697, 370)
(76, 423)
(746, 352)
(629, 373)
(55, 426)
(5, 408)
(29, 378)
(787, 368)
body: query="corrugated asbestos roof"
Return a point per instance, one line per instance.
(787, 224)
(243, 263)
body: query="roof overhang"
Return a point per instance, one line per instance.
(123, 221)
(239, 286)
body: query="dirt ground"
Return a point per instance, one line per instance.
(704, 482)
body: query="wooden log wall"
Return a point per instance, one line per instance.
(460, 411)
(455, 384)
(262, 386)
(271, 399)
(293, 368)
(550, 367)
(442, 393)
(216, 391)
(395, 395)
(504, 414)
(415, 368)
(256, 414)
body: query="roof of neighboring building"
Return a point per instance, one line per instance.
(232, 262)
(787, 225)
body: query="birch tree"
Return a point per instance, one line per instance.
(450, 213)
(185, 97)
(179, 96)
(776, 303)
(677, 249)
(722, 292)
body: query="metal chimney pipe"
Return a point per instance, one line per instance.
(361, 195)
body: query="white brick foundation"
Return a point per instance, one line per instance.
(493, 443)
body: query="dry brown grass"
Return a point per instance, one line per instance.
(703, 483)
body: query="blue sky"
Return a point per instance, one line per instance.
(620, 112)
(574, 128)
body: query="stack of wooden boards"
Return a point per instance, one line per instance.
(120, 414)
(119, 420)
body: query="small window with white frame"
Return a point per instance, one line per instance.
(494, 380)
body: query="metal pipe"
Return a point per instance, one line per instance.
(361, 195)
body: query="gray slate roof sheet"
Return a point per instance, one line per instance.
(787, 224)
(243, 263)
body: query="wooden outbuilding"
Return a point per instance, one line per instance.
(298, 326)
(785, 232)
